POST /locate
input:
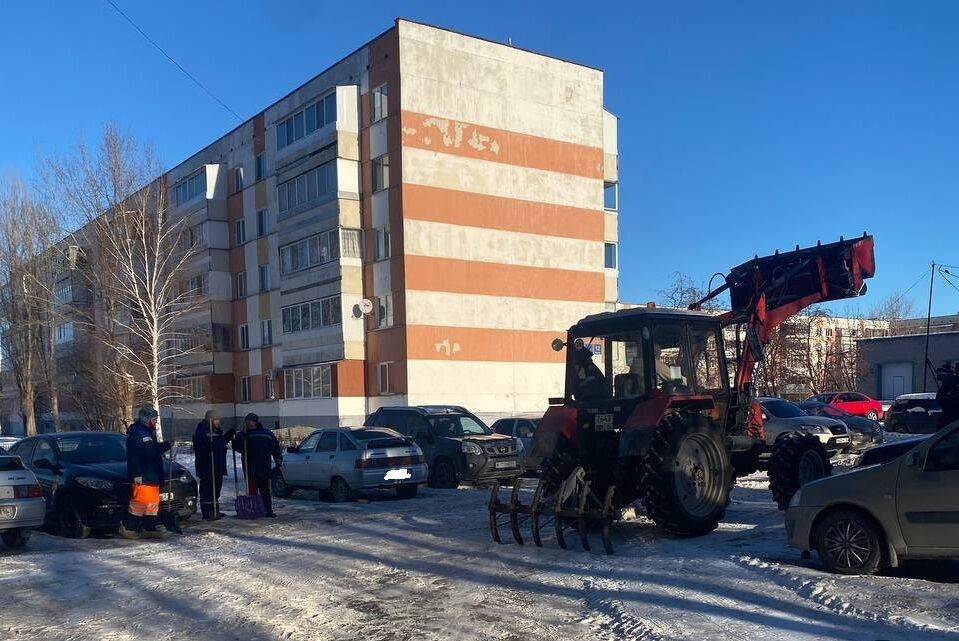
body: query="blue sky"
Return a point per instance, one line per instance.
(744, 126)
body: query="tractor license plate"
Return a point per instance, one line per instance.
(842, 439)
(400, 474)
(604, 422)
(7, 511)
(505, 465)
(166, 496)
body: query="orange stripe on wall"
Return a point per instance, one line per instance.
(495, 279)
(428, 342)
(439, 205)
(498, 145)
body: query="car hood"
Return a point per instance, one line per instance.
(482, 438)
(795, 422)
(116, 471)
(861, 425)
(863, 486)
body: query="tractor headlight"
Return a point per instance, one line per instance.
(797, 497)
(815, 429)
(95, 483)
(472, 448)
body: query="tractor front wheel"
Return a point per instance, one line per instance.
(687, 475)
(798, 458)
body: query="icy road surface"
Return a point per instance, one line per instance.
(426, 569)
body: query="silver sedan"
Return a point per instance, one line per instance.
(344, 460)
(22, 506)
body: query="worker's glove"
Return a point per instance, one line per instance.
(138, 480)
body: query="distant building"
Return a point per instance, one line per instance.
(893, 365)
(949, 323)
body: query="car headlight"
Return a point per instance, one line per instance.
(472, 448)
(95, 483)
(794, 501)
(815, 429)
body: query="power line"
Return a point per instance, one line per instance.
(170, 58)
(943, 273)
(918, 280)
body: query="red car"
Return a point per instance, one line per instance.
(852, 402)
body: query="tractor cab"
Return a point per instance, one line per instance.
(625, 369)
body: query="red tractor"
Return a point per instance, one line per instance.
(649, 412)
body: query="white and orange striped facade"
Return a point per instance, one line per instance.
(485, 238)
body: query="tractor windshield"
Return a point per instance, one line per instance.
(607, 368)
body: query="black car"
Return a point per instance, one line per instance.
(914, 414)
(84, 480)
(863, 432)
(457, 445)
(889, 451)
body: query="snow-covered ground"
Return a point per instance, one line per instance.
(426, 569)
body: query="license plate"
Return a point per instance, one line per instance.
(400, 474)
(7, 511)
(505, 465)
(6, 492)
(842, 439)
(604, 422)
(166, 496)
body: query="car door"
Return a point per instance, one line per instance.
(418, 429)
(524, 434)
(846, 403)
(927, 502)
(504, 426)
(46, 475)
(295, 463)
(344, 463)
(321, 464)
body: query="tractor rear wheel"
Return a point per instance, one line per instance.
(797, 459)
(687, 475)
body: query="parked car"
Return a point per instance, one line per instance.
(780, 416)
(458, 446)
(914, 414)
(84, 480)
(345, 460)
(852, 402)
(21, 501)
(863, 432)
(888, 451)
(6, 442)
(521, 428)
(905, 508)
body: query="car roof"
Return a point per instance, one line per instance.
(426, 409)
(59, 435)
(763, 399)
(916, 397)
(625, 319)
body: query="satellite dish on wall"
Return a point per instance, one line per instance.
(363, 308)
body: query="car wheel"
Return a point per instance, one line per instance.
(15, 538)
(279, 487)
(444, 475)
(872, 415)
(848, 542)
(71, 521)
(340, 490)
(407, 491)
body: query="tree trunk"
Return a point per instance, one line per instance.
(29, 410)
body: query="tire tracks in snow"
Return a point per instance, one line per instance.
(610, 617)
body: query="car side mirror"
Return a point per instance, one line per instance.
(558, 345)
(292, 449)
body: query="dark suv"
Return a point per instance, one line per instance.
(457, 445)
(914, 414)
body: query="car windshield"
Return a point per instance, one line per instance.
(9, 463)
(783, 409)
(92, 448)
(369, 435)
(457, 425)
(821, 409)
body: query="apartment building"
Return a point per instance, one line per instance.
(413, 225)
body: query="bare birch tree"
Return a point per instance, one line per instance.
(138, 255)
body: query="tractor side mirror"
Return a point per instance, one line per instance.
(755, 346)
(558, 344)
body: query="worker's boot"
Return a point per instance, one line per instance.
(129, 527)
(152, 529)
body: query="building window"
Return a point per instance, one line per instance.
(241, 284)
(309, 382)
(244, 336)
(239, 232)
(379, 103)
(350, 244)
(381, 244)
(307, 187)
(381, 172)
(265, 278)
(190, 188)
(192, 388)
(266, 331)
(244, 389)
(262, 223)
(828, 332)
(267, 387)
(610, 258)
(260, 167)
(196, 235)
(305, 122)
(195, 286)
(383, 311)
(324, 312)
(611, 196)
(384, 378)
(237, 179)
(309, 252)
(64, 333)
(64, 294)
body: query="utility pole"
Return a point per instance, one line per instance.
(925, 362)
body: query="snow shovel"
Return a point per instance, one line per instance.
(170, 519)
(248, 506)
